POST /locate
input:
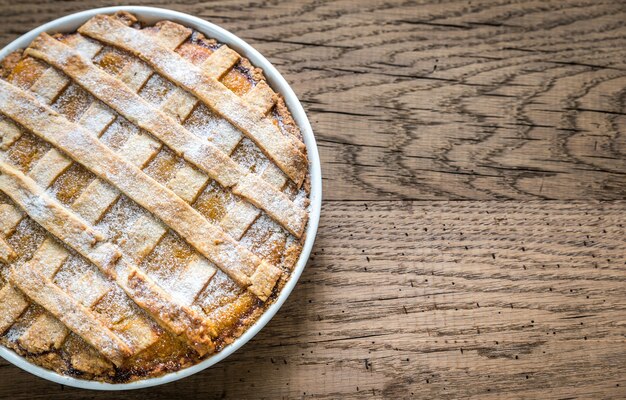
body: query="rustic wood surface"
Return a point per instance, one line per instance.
(473, 238)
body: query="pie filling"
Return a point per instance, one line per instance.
(154, 196)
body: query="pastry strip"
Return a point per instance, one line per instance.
(192, 148)
(9, 133)
(10, 216)
(45, 324)
(45, 334)
(237, 221)
(89, 288)
(74, 315)
(226, 136)
(195, 330)
(51, 83)
(95, 200)
(192, 280)
(49, 258)
(99, 196)
(220, 62)
(48, 86)
(12, 305)
(50, 167)
(99, 117)
(285, 153)
(52, 216)
(209, 240)
(179, 104)
(188, 183)
(45, 210)
(106, 256)
(239, 218)
(6, 252)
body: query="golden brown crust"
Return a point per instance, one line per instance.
(9, 62)
(84, 148)
(285, 153)
(202, 154)
(9, 218)
(76, 233)
(168, 271)
(183, 321)
(6, 252)
(73, 314)
(12, 304)
(46, 211)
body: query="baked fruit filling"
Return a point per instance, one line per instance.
(154, 196)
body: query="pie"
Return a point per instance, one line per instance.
(154, 196)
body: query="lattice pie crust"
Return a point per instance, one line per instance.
(153, 198)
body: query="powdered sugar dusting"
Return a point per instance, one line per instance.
(202, 122)
(183, 277)
(266, 239)
(156, 89)
(118, 133)
(118, 221)
(248, 155)
(220, 291)
(82, 281)
(192, 280)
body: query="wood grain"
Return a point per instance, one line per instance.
(472, 242)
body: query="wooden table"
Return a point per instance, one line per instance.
(472, 241)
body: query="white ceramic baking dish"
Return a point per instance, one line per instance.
(150, 15)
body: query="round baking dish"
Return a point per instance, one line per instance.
(150, 15)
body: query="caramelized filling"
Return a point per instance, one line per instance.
(26, 151)
(213, 202)
(194, 53)
(237, 81)
(170, 257)
(163, 166)
(71, 183)
(73, 102)
(27, 237)
(26, 72)
(118, 132)
(112, 60)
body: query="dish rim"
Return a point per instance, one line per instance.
(151, 15)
